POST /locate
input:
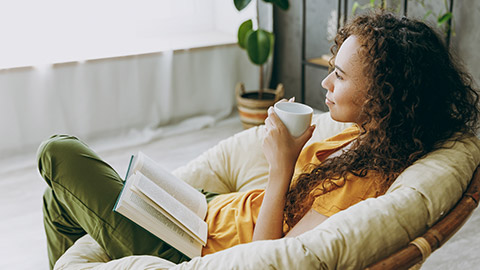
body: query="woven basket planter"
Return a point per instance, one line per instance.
(252, 110)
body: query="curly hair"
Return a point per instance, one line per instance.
(418, 96)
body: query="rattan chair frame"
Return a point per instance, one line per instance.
(438, 234)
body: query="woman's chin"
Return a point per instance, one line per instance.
(335, 117)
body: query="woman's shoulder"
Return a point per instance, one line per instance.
(319, 151)
(346, 193)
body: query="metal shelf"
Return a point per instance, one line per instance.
(319, 62)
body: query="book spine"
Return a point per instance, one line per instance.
(129, 168)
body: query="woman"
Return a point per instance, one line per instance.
(392, 77)
(396, 80)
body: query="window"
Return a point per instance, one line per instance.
(52, 31)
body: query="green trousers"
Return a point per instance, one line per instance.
(81, 193)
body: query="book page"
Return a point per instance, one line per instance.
(134, 207)
(171, 208)
(177, 188)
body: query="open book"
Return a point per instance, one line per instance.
(164, 205)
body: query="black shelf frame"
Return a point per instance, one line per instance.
(305, 62)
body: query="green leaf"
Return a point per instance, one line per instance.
(241, 4)
(429, 12)
(354, 7)
(244, 28)
(372, 3)
(383, 4)
(272, 43)
(444, 18)
(283, 4)
(259, 46)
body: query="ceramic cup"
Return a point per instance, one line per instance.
(297, 117)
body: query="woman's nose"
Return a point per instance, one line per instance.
(326, 83)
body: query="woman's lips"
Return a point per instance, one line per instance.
(328, 101)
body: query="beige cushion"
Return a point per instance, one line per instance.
(87, 254)
(238, 164)
(350, 239)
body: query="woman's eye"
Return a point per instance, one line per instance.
(338, 76)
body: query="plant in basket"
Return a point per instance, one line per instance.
(259, 44)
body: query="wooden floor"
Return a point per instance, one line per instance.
(22, 239)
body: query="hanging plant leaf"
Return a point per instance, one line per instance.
(241, 4)
(355, 6)
(244, 28)
(283, 4)
(259, 46)
(428, 13)
(271, 36)
(383, 5)
(444, 18)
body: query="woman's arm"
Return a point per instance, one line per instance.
(270, 218)
(281, 151)
(311, 219)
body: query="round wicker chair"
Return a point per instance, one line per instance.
(417, 251)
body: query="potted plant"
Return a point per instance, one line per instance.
(259, 44)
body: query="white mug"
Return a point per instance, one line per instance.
(297, 117)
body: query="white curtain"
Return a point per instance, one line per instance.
(119, 101)
(140, 87)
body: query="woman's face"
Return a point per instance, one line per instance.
(345, 85)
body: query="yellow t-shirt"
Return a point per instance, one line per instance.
(231, 218)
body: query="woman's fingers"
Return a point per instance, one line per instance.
(292, 99)
(307, 134)
(273, 119)
(282, 100)
(269, 123)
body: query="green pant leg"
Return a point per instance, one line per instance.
(209, 196)
(83, 191)
(61, 232)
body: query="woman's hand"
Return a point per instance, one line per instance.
(280, 148)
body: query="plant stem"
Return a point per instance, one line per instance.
(260, 90)
(258, 16)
